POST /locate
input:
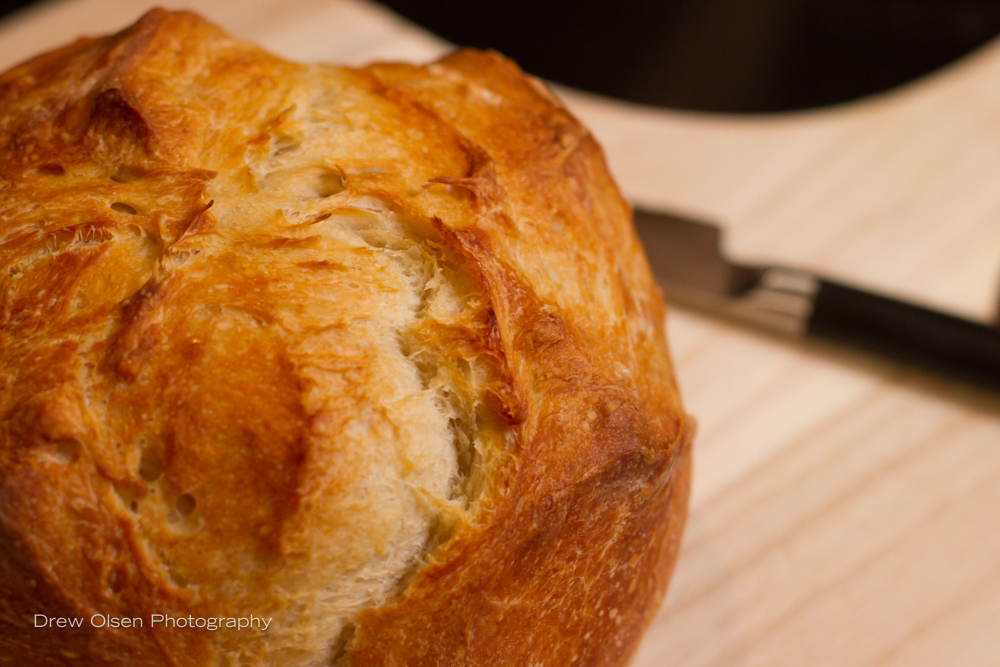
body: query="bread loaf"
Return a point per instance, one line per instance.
(370, 355)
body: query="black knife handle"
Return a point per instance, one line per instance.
(926, 338)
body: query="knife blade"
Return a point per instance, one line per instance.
(687, 259)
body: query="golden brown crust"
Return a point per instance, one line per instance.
(374, 353)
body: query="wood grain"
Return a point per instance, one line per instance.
(845, 511)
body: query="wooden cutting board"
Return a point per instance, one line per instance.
(845, 511)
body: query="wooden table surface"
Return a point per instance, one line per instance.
(845, 511)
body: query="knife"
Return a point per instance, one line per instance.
(687, 260)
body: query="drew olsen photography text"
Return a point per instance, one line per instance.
(156, 620)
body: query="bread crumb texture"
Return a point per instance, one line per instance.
(373, 353)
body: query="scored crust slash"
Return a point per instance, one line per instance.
(371, 353)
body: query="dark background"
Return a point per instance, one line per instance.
(716, 55)
(719, 55)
